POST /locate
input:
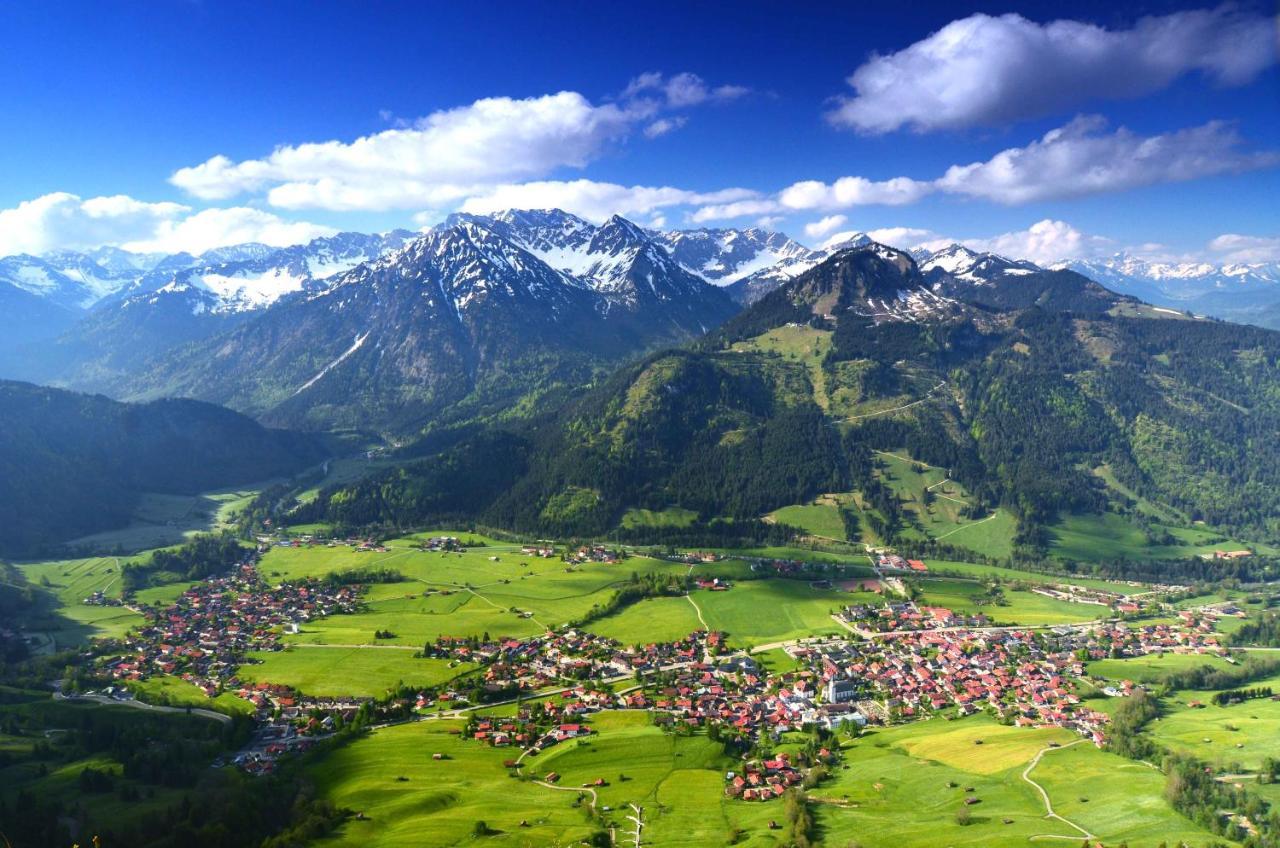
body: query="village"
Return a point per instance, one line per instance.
(907, 662)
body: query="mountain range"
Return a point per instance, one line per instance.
(402, 330)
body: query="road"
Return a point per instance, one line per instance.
(139, 705)
(1044, 796)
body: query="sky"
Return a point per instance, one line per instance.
(1045, 131)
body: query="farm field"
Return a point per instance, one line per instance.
(904, 786)
(820, 518)
(651, 620)
(794, 610)
(980, 570)
(1109, 536)
(1022, 607)
(70, 582)
(408, 798)
(1148, 669)
(359, 672)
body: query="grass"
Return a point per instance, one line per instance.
(358, 672)
(438, 802)
(1112, 536)
(176, 692)
(1242, 734)
(71, 622)
(651, 620)
(978, 570)
(904, 785)
(1150, 668)
(800, 344)
(821, 518)
(754, 612)
(1113, 797)
(1022, 607)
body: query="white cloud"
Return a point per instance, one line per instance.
(1233, 247)
(1044, 242)
(909, 238)
(212, 228)
(984, 71)
(824, 226)
(592, 200)
(1081, 159)
(852, 191)
(442, 156)
(733, 209)
(453, 154)
(681, 90)
(62, 221)
(662, 126)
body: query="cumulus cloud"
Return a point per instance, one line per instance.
(984, 70)
(1081, 158)
(62, 221)
(455, 153)
(440, 158)
(824, 226)
(212, 228)
(1233, 247)
(909, 238)
(593, 200)
(852, 191)
(1044, 242)
(65, 221)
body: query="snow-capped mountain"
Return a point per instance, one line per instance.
(750, 288)
(1182, 280)
(961, 263)
(628, 265)
(725, 256)
(468, 313)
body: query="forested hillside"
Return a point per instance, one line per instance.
(72, 464)
(1025, 396)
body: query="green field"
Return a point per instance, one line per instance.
(978, 570)
(439, 801)
(1149, 668)
(1021, 607)
(821, 518)
(670, 517)
(69, 582)
(904, 786)
(1111, 536)
(651, 620)
(176, 692)
(360, 672)
(754, 612)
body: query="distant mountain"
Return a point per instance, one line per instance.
(1246, 293)
(961, 263)
(164, 302)
(462, 322)
(723, 256)
(750, 288)
(73, 464)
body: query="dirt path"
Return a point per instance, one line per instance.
(1048, 805)
(698, 610)
(141, 705)
(966, 526)
(927, 397)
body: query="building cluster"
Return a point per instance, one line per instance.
(553, 658)
(906, 615)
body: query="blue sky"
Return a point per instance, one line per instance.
(1153, 127)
